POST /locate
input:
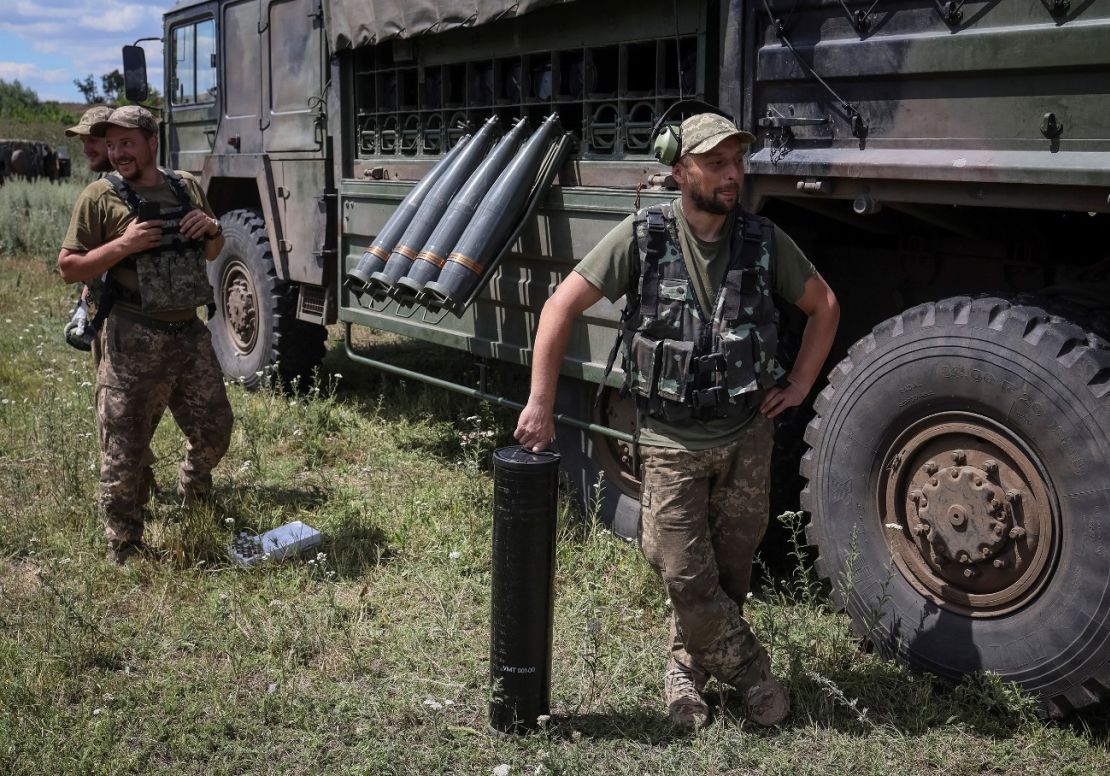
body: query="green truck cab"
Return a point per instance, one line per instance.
(945, 165)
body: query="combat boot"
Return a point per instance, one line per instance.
(682, 688)
(767, 698)
(121, 552)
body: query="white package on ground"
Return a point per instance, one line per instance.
(281, 542)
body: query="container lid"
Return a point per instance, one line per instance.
(516, 457)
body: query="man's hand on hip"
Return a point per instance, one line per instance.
(778, 399)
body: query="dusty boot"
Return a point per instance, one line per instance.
(682, 693)
(767, 699)
(192, 494)
(121, 552)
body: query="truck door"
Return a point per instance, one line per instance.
(242, 68)
(295, 59)
(193, 89)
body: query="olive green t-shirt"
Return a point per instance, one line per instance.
(609, 265)
(100, 216)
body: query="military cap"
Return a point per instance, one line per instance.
(90, 117)
(128, 117)
(701, 133)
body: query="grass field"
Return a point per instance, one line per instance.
(372, 656)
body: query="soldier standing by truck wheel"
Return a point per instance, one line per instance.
(95, 150)
(154, 351)
(700, 332)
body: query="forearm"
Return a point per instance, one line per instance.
(77, 267)
(213, 247)
(817, 339)
(552, 335)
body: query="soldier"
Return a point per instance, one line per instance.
(96, 152)
(94, 148)
(700, 331)
(154, 351)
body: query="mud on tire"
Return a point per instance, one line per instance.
(959, 492)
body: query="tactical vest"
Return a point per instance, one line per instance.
(682, 362)
(173, 275)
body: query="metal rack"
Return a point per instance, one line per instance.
(608, 96)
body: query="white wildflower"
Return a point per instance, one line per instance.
(454, 555)
(893, 527)
(502, 770)
(432, 704)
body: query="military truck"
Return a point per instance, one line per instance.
(946, 165)
(31, 160)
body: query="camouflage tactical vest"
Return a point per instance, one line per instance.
(683, 362)
(173, 275)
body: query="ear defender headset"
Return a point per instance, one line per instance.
(667, 138)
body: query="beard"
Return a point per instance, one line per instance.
(101, 165)
(710, 203)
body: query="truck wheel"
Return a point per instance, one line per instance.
(957, 483)
(587, 456)
(255, 324)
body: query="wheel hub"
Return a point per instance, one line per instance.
(240, 308)
(617, 457)
(974, 519)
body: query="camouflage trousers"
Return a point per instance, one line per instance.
(703, 514)
(141, 372)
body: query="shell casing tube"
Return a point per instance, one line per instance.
(375, 257)
(431, 210)
(493, 221)
(439, 245)
(522, 579)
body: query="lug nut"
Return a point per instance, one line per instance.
(1014, 495)
(970, 573)
(985, 552)
(930, 468)
(990, 467)
(959, 457)
(922, 529)
(915, 496)
(1000, 563)
(996, 505)
(1017, 532)
(964, 558)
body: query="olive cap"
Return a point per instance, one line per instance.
(90, 117)
(701, 133)
(128, 117)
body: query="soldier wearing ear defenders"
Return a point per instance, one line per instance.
(698, 341)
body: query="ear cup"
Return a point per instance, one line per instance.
(668, 145)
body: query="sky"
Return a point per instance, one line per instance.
(46, 44)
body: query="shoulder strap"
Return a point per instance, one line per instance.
(747, 247)
(124, 191)
(652, 236)
(177, 183)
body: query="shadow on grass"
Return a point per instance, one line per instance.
(201, 532)
(645, 726)
(394, 398)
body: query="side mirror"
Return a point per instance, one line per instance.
(135, 85)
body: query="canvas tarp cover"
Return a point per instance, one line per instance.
(365, 22)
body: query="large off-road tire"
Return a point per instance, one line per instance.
(959, 489)
(255, 325)
(586, 457)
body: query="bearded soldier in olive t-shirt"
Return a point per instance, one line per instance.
(140, 238)
(699, 339)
